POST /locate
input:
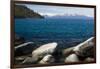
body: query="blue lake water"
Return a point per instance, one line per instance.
(64, 31)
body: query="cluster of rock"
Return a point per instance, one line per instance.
(84, 52)
(42, 54)
(28, 53)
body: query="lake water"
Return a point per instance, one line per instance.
(66, 32)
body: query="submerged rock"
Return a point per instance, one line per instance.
(24, 49)
(18, 40)
(44, 50)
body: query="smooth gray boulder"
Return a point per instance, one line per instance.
(72, 58)
(85, 49)
(44, 50)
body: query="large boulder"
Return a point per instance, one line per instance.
(80, 52)
(86, 52)
(43, 50)
(89, 42)
(85, 49)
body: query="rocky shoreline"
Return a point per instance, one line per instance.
(29, 53)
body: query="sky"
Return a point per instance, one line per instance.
(61, 10)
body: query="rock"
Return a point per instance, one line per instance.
(68, 51)
(43, 50)
(24, 49)
(18, 40)
(28, 60)
(47, 59)
(85, 49)
(84, 44)
(72, 58)
(19, 58)
(89, 59)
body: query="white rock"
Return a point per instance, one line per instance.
(72, 58)
(44, 50)
(47, 59)
(28, 60)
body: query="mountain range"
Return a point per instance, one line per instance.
(69, 16)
